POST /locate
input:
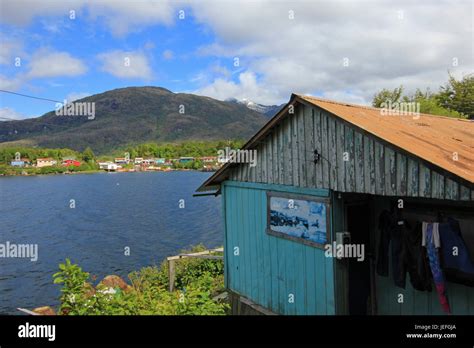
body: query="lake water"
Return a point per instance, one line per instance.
(112, 211)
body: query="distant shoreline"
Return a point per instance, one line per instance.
(47, 174)
(106, 172)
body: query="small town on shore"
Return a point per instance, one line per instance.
(206, 156)
(125, 164)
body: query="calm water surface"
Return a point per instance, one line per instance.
(113, 211)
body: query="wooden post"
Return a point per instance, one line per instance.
(171, 274)
(200, 255)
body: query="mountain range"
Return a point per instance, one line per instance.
(267, 110)
(133, 115)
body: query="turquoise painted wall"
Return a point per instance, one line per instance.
(460, 297)
(268, 269)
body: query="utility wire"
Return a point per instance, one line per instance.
(31, 96)
(45, 124)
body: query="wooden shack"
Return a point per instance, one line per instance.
(347, 163)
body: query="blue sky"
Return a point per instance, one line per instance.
(169, 52)
(281, 47)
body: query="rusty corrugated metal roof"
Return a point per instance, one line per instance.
(436, 139)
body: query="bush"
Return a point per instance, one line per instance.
(197, 282)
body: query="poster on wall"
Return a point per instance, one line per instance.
(298, 218)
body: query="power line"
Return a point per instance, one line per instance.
(45, 124)
(31, 96)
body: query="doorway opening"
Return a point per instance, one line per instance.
(358, 225)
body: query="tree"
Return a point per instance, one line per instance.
(431, 106)
(385, 96)
(458, 95)
(88, 155)
(428, 104)
(197, 164)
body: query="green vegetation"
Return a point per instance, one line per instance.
(9, 170)
(386, 95)
(135, 115)
(89, 160)
(184, 149)
(458, 95)
(88, 155)
(196, 165)
(197, 282)
(7, 154)
(455, 99)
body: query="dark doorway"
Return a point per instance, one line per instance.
(358, 224)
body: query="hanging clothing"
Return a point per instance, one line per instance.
(415, 260)
(457, 263)
(403, 243)
(391, 241)
(434, 234)
(432, 243)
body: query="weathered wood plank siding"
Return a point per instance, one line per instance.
(352, 161)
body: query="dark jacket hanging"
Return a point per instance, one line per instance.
(458, 266)
(407, 255)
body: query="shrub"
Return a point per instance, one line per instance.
(197, 282)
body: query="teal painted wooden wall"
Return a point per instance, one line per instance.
(460, 297)
(268, 269)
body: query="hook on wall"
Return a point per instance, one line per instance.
(316, 156)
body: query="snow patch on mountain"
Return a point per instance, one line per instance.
(268, 110)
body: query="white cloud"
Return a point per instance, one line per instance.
(9, 50)
(123, 64)
(120, 16)
(10, 114)
(56, 26)
(76, 96)
(346, 96)
(124, 16)
(21, 12)
(45, 63)
(219, 70)
(246, 88)
(384, 47)
(10, 84)
(387, 43)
